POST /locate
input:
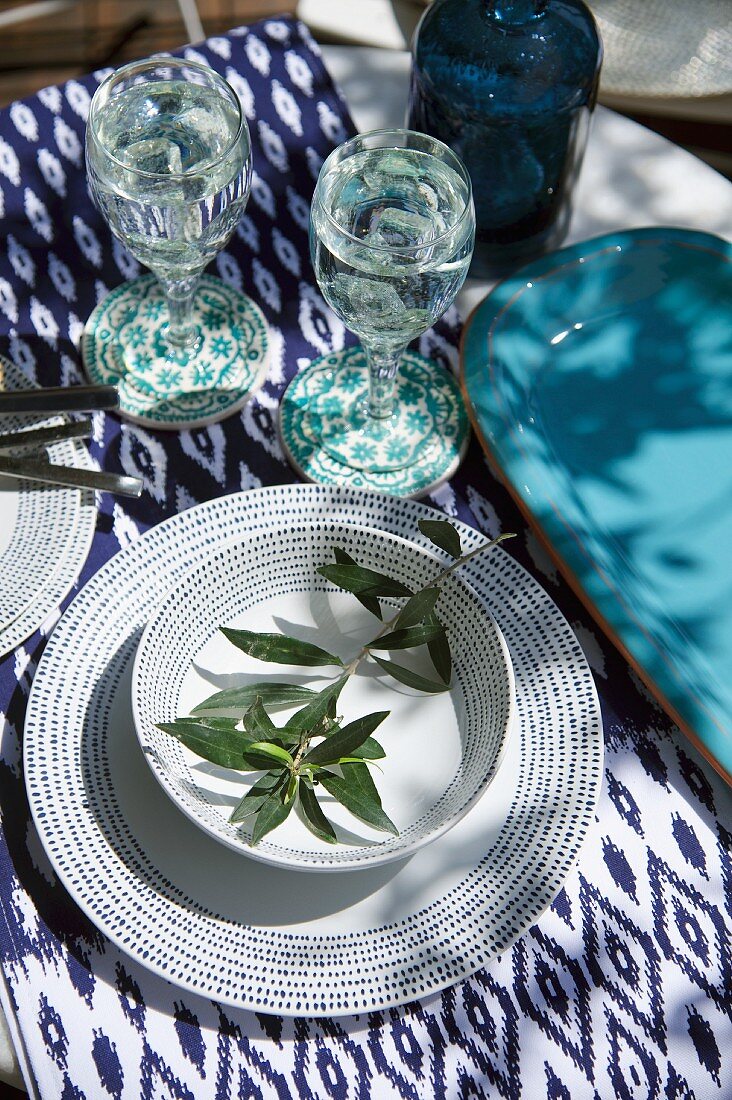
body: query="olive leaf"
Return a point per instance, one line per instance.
(409, 638)
(363, 582)
(371, 603)
(359, 775)
(292, 787)
(346, 739)
(442, 534)
(256, 796)
(275, 753)
(280, 648)
(315, 819)
(240, 698)
(273, 812)
(439, 651)
(352, 795)
(210, 738)
(318, 709)
(212, 722)
(411, 679)
(418, 607)
(258, 723)
(370, 750)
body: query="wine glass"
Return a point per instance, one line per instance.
(392, 230)
(169, 167)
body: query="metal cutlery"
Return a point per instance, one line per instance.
(42, 437)
(35, 466)
(38, 469)
(55, 399)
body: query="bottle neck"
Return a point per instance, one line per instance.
(514, 12)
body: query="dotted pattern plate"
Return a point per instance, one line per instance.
(123, 344)
(238, 931)
(233, 585)
(52, 529)
(324, 388)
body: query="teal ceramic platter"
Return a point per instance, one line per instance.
(599, 379)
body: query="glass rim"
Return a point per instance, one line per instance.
(392, 132)
(159, 60)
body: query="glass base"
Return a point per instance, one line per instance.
(124, 343)
(408, 455)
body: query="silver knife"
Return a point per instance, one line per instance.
(41, 437)
(37, 469)
(60, 399)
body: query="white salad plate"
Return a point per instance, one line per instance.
(45, 530)
(442, 750)
(266, 938)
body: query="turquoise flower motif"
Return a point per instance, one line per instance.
(142, 361)
(154, 309)
(409, 393)
(398, 450)
(221, 347)
(168, 379)
(362, 452)
(203, 374)
(330, 406)
(416, 421)
(136, 336)
(212, 319)
(350, 380)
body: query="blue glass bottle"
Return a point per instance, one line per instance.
(510, 86)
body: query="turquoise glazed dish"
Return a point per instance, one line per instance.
(600, 381)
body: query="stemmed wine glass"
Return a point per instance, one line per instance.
(169, 166)
(392, 230)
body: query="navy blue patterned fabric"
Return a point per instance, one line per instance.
(623, 988)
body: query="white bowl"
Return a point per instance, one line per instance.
(442, 751)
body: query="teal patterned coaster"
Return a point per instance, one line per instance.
(429, 406)
(124, 344)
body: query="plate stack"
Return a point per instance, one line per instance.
(504, 777)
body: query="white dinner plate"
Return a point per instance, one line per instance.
(265, 938)
(45, 531)
(442, 750)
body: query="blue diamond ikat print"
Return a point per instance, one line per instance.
(623, 960)
(691, 932)
(622, 989)
(553, 991)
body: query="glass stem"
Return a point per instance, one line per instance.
(181, 332)
(382, 364)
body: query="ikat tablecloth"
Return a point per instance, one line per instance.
(622, 989)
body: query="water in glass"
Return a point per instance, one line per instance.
(389, 247)
(174, 178)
